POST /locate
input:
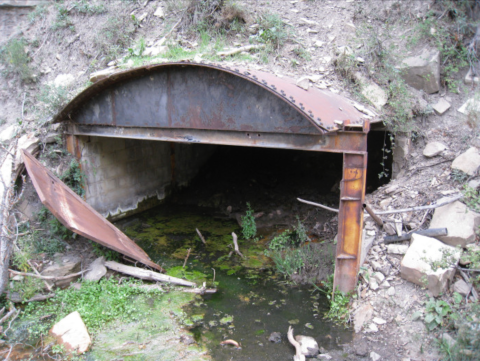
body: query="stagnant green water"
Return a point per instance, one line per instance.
(251, 302)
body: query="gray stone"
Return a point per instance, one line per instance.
(308, 345)
(97, 270)
(64, 80)
(159, 12)
(389, 228)
(397, 248)
(441, 106)
(379, 277)
(63, 269)
(461, 287)
(391, 291)
(154, 50)
(474, 183)
(9, 133)
(367, 242)
(446, 338)
(71, 332)
(423, 71)
(379, 321)
(362, 315)
(400, 153)
(373, 283)
(433, 149)
(375, 356)
(52, 138)
(275, 337)
(102, 74)
(470, 79)
(460, 222)
(361, 349)
(468, 162)
(416, 266)
(374, 93)
(304, 82)
(471, 105)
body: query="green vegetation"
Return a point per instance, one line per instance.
(53, 226)
(52, 99)
(14, 57)
(86, 7)
(115, 36)
(273, 31)
(62, 19)
(471, 197)
(436, 313)
(339, 303)
(249, 227)
(74, 178)
(40, 13)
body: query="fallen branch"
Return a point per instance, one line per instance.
(239, 50)
(318, 205)
(11, 321)
(201, 237)
(8, 315)
(49, 287)
(186, 258)
(50, 278)
(235, 244)
(421, 208)
(376, 218)
(298, 349)
(146, 274)
(469, 269)
(432, 232)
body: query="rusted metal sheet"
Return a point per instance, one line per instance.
(350, 221)
(75, 214)
(209, 96)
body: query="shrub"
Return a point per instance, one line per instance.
(273, 31)
(249, 227)
(15, 59)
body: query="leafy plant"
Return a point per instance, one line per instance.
(85, 7)
(53, 226)
(249, 226)
(39, 13)
(101, 251)
(339, 303)
(74, 177)
(139, 49)
(115, 36)
(458, 176)
(15, 59)
(436, 312)
(62, 19)
(471, 198)
(273, 31)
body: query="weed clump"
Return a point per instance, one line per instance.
(52, 99)
(249, 226)
(15, 59)
(115, 36)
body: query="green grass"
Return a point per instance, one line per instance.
(15, 59)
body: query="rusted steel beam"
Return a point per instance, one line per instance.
(75, 214)
(350, 221)
(339, 142)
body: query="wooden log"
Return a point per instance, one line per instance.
(432, 232)
(239, 50)
(146, 274)
(52, 278)
(376, 218)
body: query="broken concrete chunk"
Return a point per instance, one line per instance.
(423, 71)
(433, 149)
(471, 105)
(375, 95)
(63, 269)
(72, 333)
(362, 315)
(460, 222)
(430, 263)
(441, 106)
(397, 248)
(102, 74)
(97, 270)
(461, 287)
(304, 82)
(468, 162)
(470, 78)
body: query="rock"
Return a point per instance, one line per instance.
(441, 106)
(367, 241)
(52, 138)
(96, 271)
(391, 291)
(275, 337)
(416, 266)
(474, 183)
(64, 80)
(304, 82)
(470, 79)
(71, 332)
(468, 162)
(375, 356)
(372, 328)
(433, 149)
(159, 13)
(379, 277)
(460, 222)
(379, 321)
(375, 95)
(397, 248)
(63, 269)
(446, 338)
(389, 228)
(373, 284)
(362, 315)
(308, 345)
(102, 74)
(361, 349)
(26, 142)
(423, 71)
(9, 133)
(187, 339)
(461, 287)
(154, 50)
(400, 153)
(471, 105)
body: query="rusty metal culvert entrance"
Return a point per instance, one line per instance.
(205, 103)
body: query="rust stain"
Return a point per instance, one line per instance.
(75, 214)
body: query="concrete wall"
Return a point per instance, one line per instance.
(126, 176)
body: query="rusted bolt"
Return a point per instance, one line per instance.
(302, 107)
(255, 77)
(264, 81)
(311, 115)
(274, 87)
(236, 70)
(246, 73)
(301, 104)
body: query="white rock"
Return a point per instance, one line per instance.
(71, 332)
(468, 162)
(26, 142)
(460, 222)
(304, 82)
(64, 80)
(461, 287)
(379, 321)
(433, 149)
(309, 22)
(9, 133)
(308, 345)
(391, 291)
(154, 50)
(397, 248)
(423, 71)
(375, 356)
(375, 95)
(373, 284)
(474, 183)
(379, 277)
(362, 315)
(471, 105)
(469, 79)
(97, 270)
(159, 13)
(102, 74)
(372, 328)
(416, 266)
(441, 106)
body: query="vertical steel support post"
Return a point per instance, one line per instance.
(350, 221)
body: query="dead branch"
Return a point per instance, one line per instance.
(11, 321)
(421, 208)
(469, 269)
(186, 258)
(298, 350)
(376, 218)
(49, 287)
(8, 315)
(50, 278)
(318, 205)
(235, 244)
(201, 237)
(37, 298)
(146, 274)
(239, 50)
